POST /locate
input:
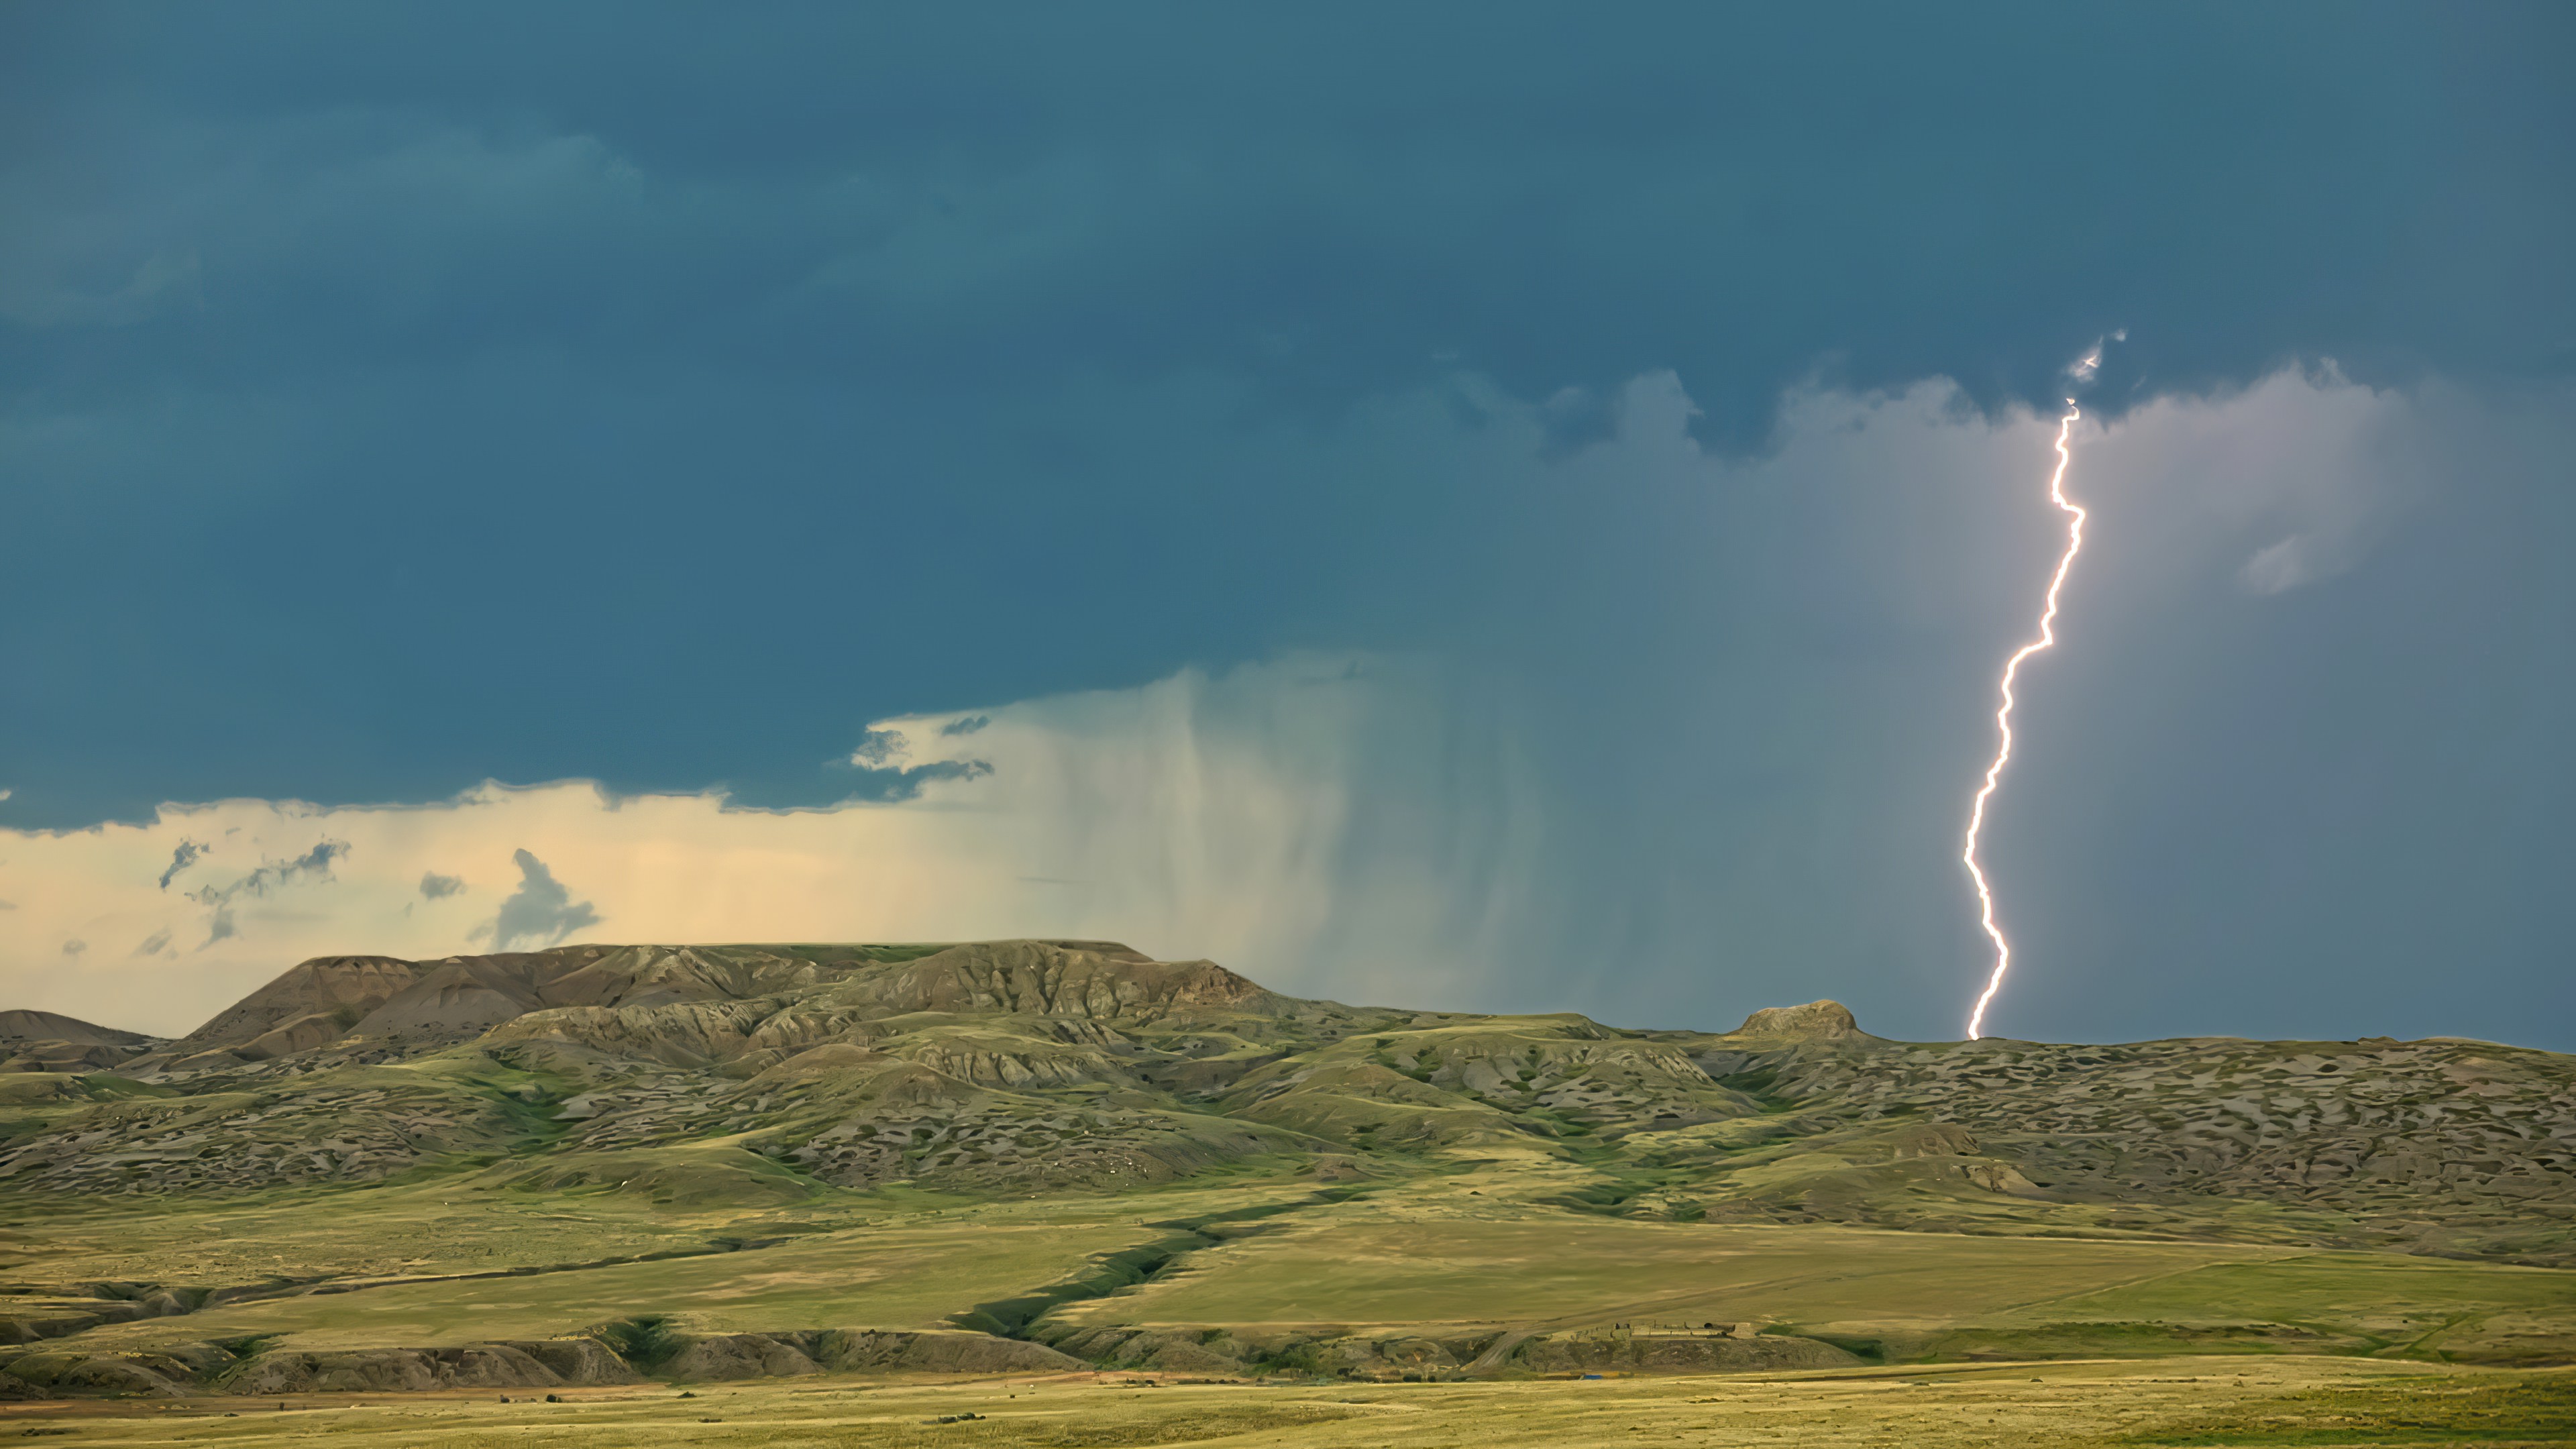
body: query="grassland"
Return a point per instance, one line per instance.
(1375, 1265)
(2279, 1401)
(860, 1278)
(747, 1174)
(420, 1266)
(1483, 1248)
(1459, 1245)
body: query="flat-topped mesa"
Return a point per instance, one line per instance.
(1827, 1020)
(621, 993)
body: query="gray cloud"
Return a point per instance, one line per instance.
(188, 853)
(312, 865)
(891, 785)
(74, 948)
(879, 748)
(160, 280)
(436, 887)
(1575, 418)
(2282, 566)
(541, 912)
(967, 725)
(154, 944)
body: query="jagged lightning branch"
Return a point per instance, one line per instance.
(2003, 715)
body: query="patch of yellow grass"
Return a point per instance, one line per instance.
(2058, 1404)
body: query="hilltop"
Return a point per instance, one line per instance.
(564, 1112)
(41, 1041)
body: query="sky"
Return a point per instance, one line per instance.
(1498, 507)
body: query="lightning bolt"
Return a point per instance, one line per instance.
(2003, 715)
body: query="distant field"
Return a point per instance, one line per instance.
(1441, 1250)
(2168, 1402)
(459, 1227)
(2394, 1304)
(853, 1261)
(2328, 1285)
(365, 1232)
(1369, 1265)
(1408, 1260)
(863, 1278)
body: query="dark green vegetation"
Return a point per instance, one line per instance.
(593, 1164)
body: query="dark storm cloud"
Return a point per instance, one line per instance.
(436, 887)
(940, 299)
(539, 913)
(967, 725)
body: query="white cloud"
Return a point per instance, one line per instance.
(2280, 567)
(2295, 477)
(1198, 815)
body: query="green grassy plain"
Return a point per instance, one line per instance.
(435, 1228)
(860, 1278)
(1477, 1244)
(1487, 1248)
(2191, 1401)
(1376, 1265)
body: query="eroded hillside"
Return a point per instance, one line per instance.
(771, 1073)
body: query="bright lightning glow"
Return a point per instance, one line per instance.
(2003, 715)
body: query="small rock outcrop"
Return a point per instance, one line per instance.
(1830, 1020)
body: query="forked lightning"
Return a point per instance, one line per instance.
(2003, 714)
